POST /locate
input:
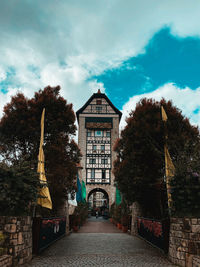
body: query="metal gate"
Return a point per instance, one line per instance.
(154, 231)
(46, 231)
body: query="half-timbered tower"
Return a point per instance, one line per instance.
(98, 123)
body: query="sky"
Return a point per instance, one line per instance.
(130, 49)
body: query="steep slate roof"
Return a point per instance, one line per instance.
(98, 95)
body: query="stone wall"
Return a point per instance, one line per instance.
(196, 261)
(184, 243)
(18, 232)
(5, 261)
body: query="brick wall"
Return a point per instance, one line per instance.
(18, 232)
(184, 243)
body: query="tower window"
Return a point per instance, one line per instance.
(104, 161)
(108, 134)
(98, 133)
(89, 133)
(92, 173)
(94, 148)
(99, 102)
(103, 174)
(102, 148)
(92, 161)
(98, 109)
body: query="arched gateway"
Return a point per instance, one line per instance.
(98, 200)
(98, 130)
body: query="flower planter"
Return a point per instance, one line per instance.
(124, 229)
(119, 226)
(75, 228)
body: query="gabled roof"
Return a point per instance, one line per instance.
(98, 95)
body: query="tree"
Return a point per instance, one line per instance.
(185, 185)
(20, 137)
(18, 187)
(139, 168)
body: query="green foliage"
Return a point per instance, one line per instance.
(2, 238)
(125, 212)
(112, 208)
(18, 187)
(185, 185)
(3, 250)
(120, 213)
(139, 169)
(20, 138)
(117, 213)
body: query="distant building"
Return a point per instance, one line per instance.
(98, 123)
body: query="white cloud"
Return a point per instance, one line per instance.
(187, 100)
(70, 41)
(2, 74)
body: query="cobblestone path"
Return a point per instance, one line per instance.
(110, 248)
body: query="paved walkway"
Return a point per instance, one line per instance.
(98, 225)
(110, 247)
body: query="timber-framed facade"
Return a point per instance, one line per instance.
(98, 123)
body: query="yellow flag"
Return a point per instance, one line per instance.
(169, 172)
(164, 115)
(169, 166)
(44, 192)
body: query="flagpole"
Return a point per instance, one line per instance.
(34, 210)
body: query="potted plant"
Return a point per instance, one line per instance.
(124, 221)
(112, 208)
(118, 216)
(75, 223)
(125, 215)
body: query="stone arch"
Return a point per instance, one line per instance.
(99, 189)
(109, 189)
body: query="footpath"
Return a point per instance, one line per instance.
(100, 243)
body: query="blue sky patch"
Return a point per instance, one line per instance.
(196, 111)
(167, 58)
(34, 69)
(8, 81)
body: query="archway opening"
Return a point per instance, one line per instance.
(98, 202)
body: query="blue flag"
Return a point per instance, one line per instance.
(79, 191)
(83, 192)
(118, 197)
